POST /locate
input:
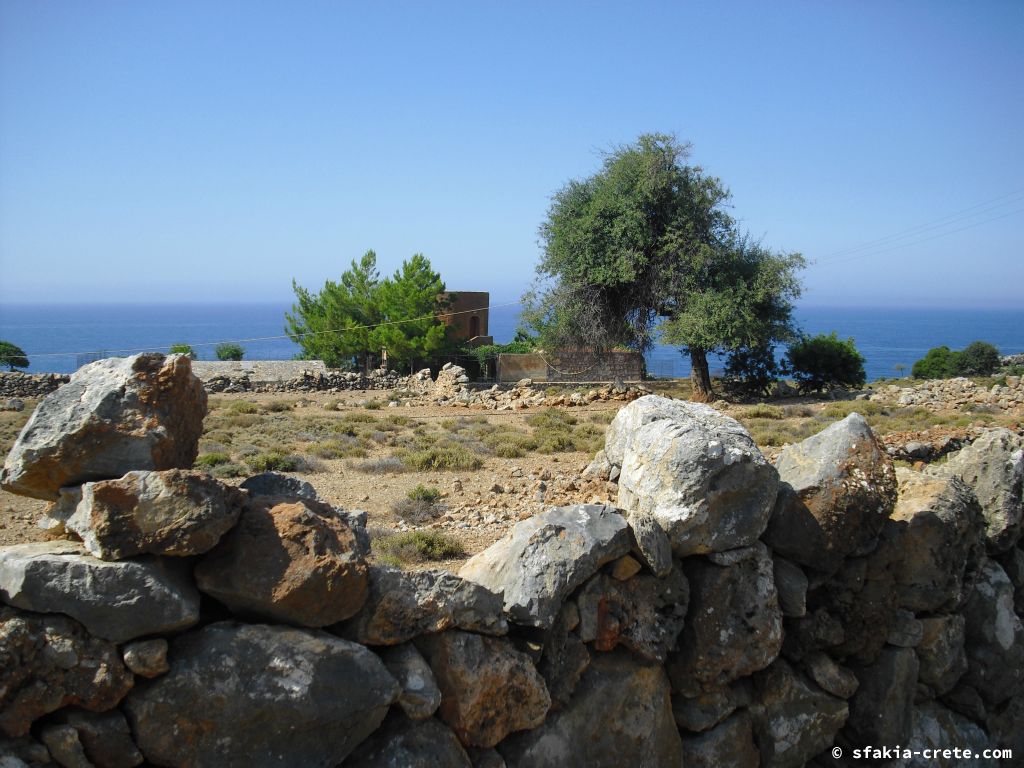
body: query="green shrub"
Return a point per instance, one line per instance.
(978, 358)
(762, 411)
(272, 462)
(183, 349)
(415, 546)
(439, 458)
(212, 459)
(938, 363)
(243, 406)
(822, 362)
(228, 470)
(229, 351)
(750, 372)
(427, 493)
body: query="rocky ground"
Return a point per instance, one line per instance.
(532, 446)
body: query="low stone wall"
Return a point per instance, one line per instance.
(16, 384)
(727, 612)
(572, 365)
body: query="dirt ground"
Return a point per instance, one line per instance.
(357, 452)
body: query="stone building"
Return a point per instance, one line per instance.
(466, 315)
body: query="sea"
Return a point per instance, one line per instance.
(60, 338)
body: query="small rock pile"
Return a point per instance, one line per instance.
(725, 612)
(17, 384)
(950, 394)
(452, 389)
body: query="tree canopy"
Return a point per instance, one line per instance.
(12, 356)
(360, 314)
(646, 244)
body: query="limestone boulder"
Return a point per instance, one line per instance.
(881, 711)
(255, 695)
(620, 708)
(938, 729)
(403, 605)
(993, 467)
(696, 471)
(791, 583)
(830, 676)
(941, 652)
(733, 625)
(937, 533)
(403, 743)
(730, 743)
(147, 658)
(488, 688)
(645, 613)
(994, 637)
(793, 719)
(174, 513)
(420, 696)
(113, 416)
(50, 662)
(546, 557)
(651, 542)
(295, 561)
(117, 601)
(276, 484)
(838, 489)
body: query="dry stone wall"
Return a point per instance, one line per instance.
(727, 612)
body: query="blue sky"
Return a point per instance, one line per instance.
(212, 151)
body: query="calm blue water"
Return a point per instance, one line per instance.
(54, 336)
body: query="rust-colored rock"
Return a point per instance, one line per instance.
(290, 560)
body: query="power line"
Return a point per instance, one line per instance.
(900, 246)
(285, 335)
(966, 213)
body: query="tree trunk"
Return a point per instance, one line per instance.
(700, 377)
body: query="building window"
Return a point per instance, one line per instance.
(474, 327)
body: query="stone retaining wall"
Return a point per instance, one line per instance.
(724, 612)
(572, 365)
(16, 384)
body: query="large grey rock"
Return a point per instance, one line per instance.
(1003, 725)
(793, 719)
(697, 471)
(620, 711)
(937, 532)
(488, 688)
(402, 743)
(113, 416)
(49, 662)
(994, 637)
(310, 569)
(276, 484)
(174, 512)
(645, 613)
(546, 557)
(941, 652)
(420, 695)
(993, 466)
(838, 488)
(733, 626)
(881, 711)
(117, 601)
(256, 695)
(403, 605)
(64, 746)
(731, 743)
